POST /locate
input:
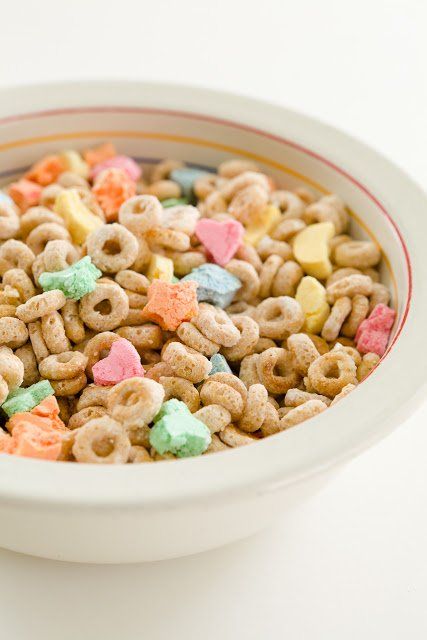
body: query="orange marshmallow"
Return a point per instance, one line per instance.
(99, 154)
(170, 304)
(25, 193)
(46, 170)
(111, 189)
(32, 441)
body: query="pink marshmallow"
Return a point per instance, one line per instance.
(373, 333)
(220, 238)
(122, 362)
(125, 163)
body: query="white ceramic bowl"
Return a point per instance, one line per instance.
(148, 512)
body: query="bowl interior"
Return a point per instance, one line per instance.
(150, 134)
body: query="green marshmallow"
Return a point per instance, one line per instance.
(176, 431)
(21, 400)
(75, 281)
(219, 364)
(173, 202)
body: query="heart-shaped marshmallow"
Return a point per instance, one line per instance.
(122, 362)
(221, 238)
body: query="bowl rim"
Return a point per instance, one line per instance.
(284, 458)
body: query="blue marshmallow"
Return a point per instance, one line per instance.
(186, 177)
(5, 199)
(216, 285)
(219, 364)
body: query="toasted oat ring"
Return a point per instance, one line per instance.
(343, 393)
(328, 209)
(271, 422)
(248, 253)
(162, 170)
(15, 254)
(112, 248)
(101, 441)
(139, 455)
(27, 356)
(341, 273)
(241, 309)
(217, 392)
(164, 189)
(287, 279)
(287, 229)
(234, 437)
(13, 332)
(380, 295)
(248, 276)
(192, 337)
(38, 238)
(140, 213)
(268, 273)
(337, 316)
(255, 410)
(7, 310)
(73, 324)
(37, 341)
(263, 344)
(158, 370)
(303, 352)
(351, 351)
(135, 401)
(357, 253)
(330, 373)
(9, 221)
(93, 395)
(143, 337)
(249, 336)
(59, 254)
(280, 360)
(133, 281)
(235, 167)
(11, 369)
(267, 247)
(289, 203)
(70, 386)
(168, 239)
(214, 416)
(248, 370)
(113, 303)
(83, 416)
(18, 279)
(278, 317)
(97, 348)
(349, 286)
(40, 305)
(182, 390)
(369, 362)
(183, 263)
(53, 331)
(301, 413)
(63, 366)
(359, 311)
(216, 325)
(49, 195)
(240, 182)
(296, 397)
(186, 362)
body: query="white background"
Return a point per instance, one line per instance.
(352, 563)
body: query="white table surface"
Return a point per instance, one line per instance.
(353, 562)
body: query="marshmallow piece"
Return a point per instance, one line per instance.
(122, 362)
(44, 415)
(373, 333)
(311, 249)
(170, 304)
(216, 285)
(219, 364)
(220, 238)
(46, 170)
(5, 199)
(73, 161)
(262, 224)
(21, 400)
(25, 193)
(160, 268)
(80, 221)
(311, 295)
(75, 281)
(98, 154)
(186, 177)
(174, 202)
(125, 163)
(32, 441)
(178, 432)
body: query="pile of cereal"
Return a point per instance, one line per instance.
(175, 313)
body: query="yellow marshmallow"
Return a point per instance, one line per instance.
(312, 297)
(311, 249)
(262, 224)
(160, 268)
(80, 221)
(74, 162)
